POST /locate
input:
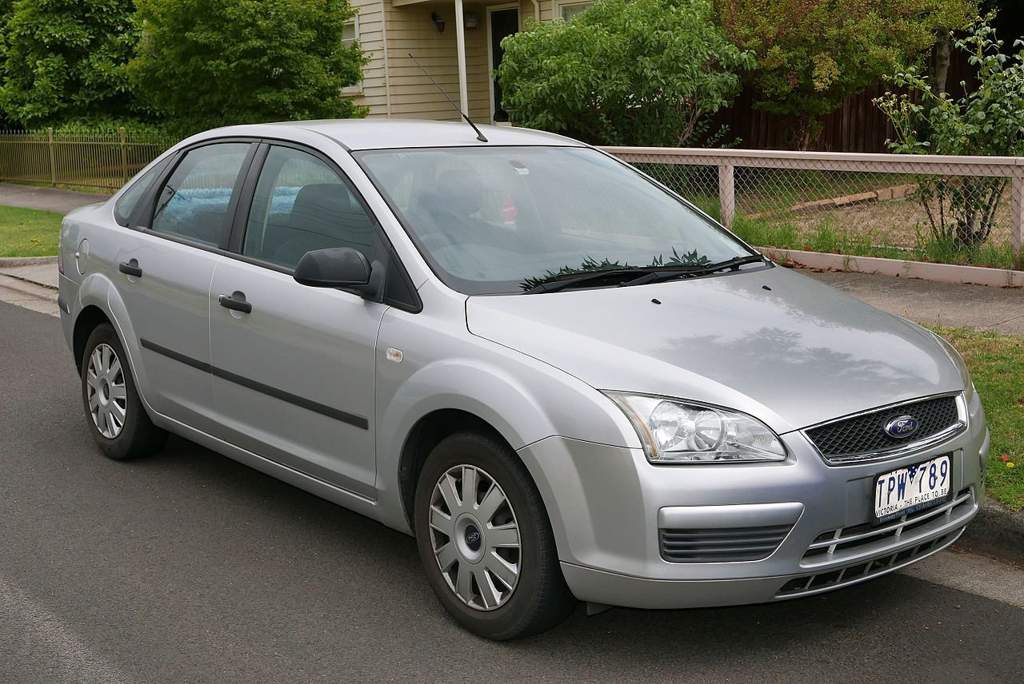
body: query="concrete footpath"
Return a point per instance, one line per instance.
(955, 306)
(46, 199)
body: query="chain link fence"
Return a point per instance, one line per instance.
(918, 207)
(102, 160)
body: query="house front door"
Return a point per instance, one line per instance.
(501, 22)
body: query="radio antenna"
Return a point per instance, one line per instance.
(479, 136)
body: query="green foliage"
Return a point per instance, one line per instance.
(102, 125)
(6, 7)
(205, 63)
(64, 58)
(813, 53)
(624, 72)
(988, 120)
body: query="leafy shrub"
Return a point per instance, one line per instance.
(988, 120)
(813, 53)
(624, 72)
(65, 58)
(204, 63)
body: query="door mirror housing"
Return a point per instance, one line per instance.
(334, 267)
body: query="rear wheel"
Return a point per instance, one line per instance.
(485, 540)
(116, 418)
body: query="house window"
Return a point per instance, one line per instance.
(349, 35)
(350, 31)
(569, 10)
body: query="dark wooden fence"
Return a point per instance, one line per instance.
(857, 126)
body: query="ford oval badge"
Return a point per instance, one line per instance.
(902, 427)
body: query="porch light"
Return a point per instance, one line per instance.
(438, 21)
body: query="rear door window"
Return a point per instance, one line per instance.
(196, 201)
(129, 199)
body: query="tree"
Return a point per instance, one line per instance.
(6, 7)
(986, 121)
(624, 72)
(66, 59)
(811, 54)
(204, 63)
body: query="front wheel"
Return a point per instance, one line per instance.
(485, 540)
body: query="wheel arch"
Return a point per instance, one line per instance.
(426, 434)
(99, 302)
(89, 318)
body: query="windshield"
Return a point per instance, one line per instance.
(497, 220)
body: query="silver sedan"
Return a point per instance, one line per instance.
(566, 381)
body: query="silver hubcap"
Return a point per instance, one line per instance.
(475, 537)
(105, 390)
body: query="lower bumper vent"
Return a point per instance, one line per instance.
(723, 545)
(833, 579)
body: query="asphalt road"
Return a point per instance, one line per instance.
(190, 567)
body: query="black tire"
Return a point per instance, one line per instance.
(540, 599)
(137, 436)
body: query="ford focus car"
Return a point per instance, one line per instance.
(567, 382)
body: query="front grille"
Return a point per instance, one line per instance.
(833, 579)
(863, 436)
(853, 543)
(722, 545)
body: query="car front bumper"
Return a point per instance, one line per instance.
(607, 506)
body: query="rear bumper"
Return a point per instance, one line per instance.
(608, 506)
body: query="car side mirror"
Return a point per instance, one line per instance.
(334, 267)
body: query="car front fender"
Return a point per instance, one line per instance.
(524, 400)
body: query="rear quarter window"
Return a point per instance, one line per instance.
(129, 199)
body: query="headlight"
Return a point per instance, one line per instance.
(677, 432)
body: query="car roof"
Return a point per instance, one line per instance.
(370, 134)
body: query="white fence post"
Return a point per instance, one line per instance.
(727, 193)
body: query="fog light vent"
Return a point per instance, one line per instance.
(723, 545)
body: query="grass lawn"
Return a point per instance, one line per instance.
(827, 238)
(28, 232)
(997, 368)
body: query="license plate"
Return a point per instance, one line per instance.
(912, 488)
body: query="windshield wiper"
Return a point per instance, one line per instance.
(637, 275)
(659, 275)
(567, 280)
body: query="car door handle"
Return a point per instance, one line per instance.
(131, 268)
(235, 302)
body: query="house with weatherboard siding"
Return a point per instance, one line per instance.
(457, 43)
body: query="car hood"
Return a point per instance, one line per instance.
(772, 343)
